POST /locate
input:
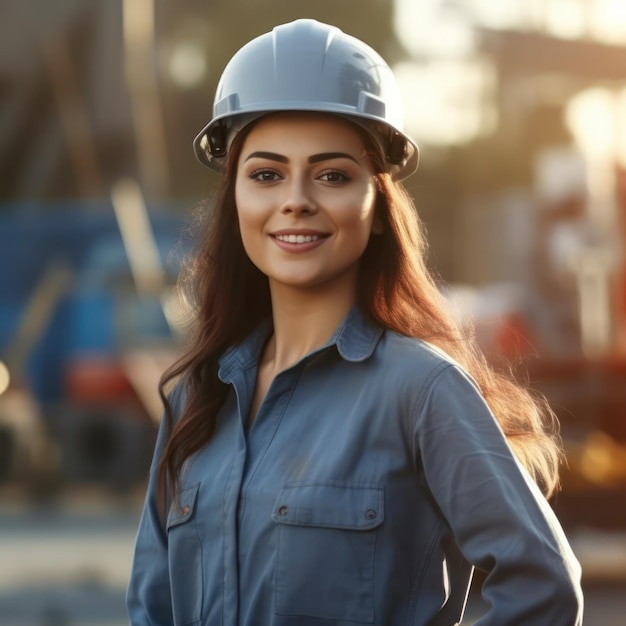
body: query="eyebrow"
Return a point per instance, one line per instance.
(272, 156)
(326, 156)
(315, 158)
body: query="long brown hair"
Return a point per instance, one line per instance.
(230, 297)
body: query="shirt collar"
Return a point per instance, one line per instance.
(355, 338)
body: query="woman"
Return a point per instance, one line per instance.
(330, 453)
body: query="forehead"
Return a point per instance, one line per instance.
(295, 130)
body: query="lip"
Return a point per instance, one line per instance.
(298, 247)
(298, 231)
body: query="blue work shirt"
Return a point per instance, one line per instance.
(373, 475)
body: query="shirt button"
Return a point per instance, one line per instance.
(186, 510)
(282, 510)
(370, 514)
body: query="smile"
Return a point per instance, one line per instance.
(297, 238)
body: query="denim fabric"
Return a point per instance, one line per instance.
(372, 481)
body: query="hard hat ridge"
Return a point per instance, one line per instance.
(306, 65)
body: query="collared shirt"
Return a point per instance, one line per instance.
(373, 478)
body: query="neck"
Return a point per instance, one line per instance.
(304, 320)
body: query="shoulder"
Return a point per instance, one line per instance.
(402, 353)
(420, 367)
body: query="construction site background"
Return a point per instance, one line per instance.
(520, 112)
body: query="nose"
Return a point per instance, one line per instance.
(299, 200)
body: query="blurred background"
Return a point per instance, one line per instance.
(520, 111)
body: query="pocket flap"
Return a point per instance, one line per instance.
(180, 513)
(332, 505)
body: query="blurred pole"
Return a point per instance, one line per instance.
(143, 367)
(620, 281)
(595, 124)
(593, 277)
(141, 248)
(40, 307)
(597, 263)
(141, 79)
(73, 114)
(138, 239)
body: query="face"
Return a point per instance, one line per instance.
(305, 195)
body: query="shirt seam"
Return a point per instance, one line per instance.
(413, 418)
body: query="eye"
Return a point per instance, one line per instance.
(334, 176)
(264, 175)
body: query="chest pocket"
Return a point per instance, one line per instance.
(326, 549)
(185, 559)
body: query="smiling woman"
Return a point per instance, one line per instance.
(335, 449)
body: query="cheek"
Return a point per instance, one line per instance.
(247, 230)
(248, 210)
(360, 217)
(251, 221)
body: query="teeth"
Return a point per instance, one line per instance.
(297, 238)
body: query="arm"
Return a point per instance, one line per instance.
(501, 522)
(148, 598)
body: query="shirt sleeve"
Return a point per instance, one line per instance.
(501, 522)
(148, 597)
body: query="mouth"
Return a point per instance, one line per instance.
(297, 238)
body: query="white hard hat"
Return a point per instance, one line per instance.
(306, 65)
